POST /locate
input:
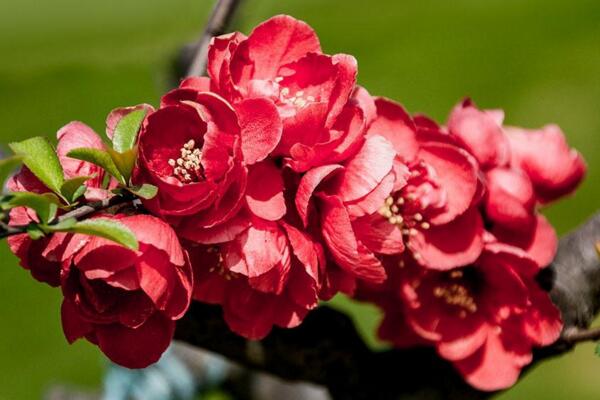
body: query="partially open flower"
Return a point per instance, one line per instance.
(544, 155)
(42, 257)
(122, 300)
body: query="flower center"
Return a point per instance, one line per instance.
(188, 167)
(297, 99)
(219, 267)
(456, 294)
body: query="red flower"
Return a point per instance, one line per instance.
(480, 132)
(192, 152)
(267, 276)
(126, 301)
(281, 61)
(431, 209)
(339, 193)
(42, 257)
(484, 318)
(554, 168)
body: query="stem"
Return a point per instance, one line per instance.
(219, 19)
(77, 213)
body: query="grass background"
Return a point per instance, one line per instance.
(66, 59)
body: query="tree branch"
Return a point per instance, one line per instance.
(327, 349)
(220, 18)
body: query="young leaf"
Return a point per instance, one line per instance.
(72, 186)
(124, 161)
(45, 205)
(126, 131)
(145, 191)
(39, 156)
(98, 157)
(61, 226)
(7, 166)
(34, 232)
(108, 229)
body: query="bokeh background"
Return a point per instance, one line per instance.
(63, 60)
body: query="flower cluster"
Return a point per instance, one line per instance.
(281, 183)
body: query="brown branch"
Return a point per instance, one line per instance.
(220, 18)
(577, 335)
(327, 349)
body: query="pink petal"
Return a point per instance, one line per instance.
(264, 194)
(308, 184)
(366, 169)
(452, 245)
(394, 123)
(279, 41)
(456, 172)
(350, 254)
(261, 128)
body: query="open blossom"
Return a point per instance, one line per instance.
(191, 152)
(122, 300)
(42, 257)
(434, 213)
(268, 276)
(281, 61)
(484, 318)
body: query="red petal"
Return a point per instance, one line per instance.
(554, 168)
(347, 251)
(136, 348)
(457, 173)
(497, 364)
(510, 199)
(378, 234)
(73, 325)
(261, 128)
(538, 239)
(366, 169)
(72, 136)
(308, 184)
(394, 123)
(481, 134)
(279, 41)
(452, 245)
(264, 194)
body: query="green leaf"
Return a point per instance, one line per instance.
(124, 161)
(72, 187)
(7, 166)
(35, 232)
(45, 205)
(62, 226)
(39, 156)
(145, 191)
(98, 157)
(127, 129)
(108, 229)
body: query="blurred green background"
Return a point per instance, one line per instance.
(63, 60)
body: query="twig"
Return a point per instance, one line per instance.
(220, 17)
(577, 335)
(77, 213)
